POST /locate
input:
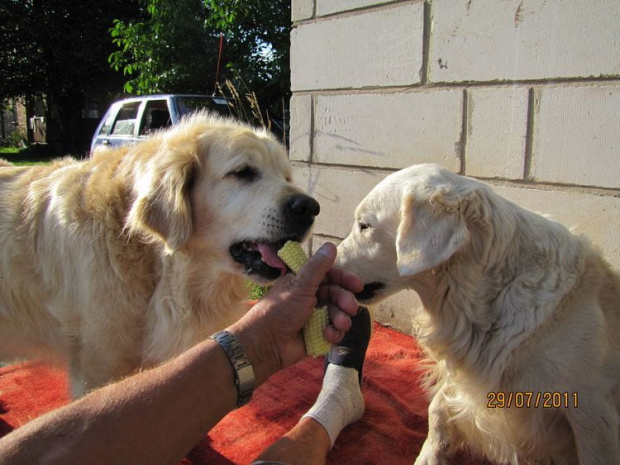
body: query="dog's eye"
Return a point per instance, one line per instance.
(245, 173)
(363, 226)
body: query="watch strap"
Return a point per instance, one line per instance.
(243, 371)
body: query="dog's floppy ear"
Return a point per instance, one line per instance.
(162, 208)
(428, 235)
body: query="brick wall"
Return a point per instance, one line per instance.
(523, 94)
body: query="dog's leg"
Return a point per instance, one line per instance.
(595, 427)
(90, 369)
(440, 442)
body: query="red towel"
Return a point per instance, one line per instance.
(391, 431)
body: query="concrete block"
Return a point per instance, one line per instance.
(301, 128)
(488, 40)
(577, 137)
(302, 9)
(328, 7)
(380, 48)
(338, 191)
(317, 241)
(497, 128)
(389, 130)
(595, 216)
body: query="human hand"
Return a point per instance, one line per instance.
(271, 331)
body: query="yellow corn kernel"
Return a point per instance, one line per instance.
(316, 344)
(294, 256)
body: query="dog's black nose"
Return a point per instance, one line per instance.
(303, 205)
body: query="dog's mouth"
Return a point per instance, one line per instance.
(369, 291)
(260, 258)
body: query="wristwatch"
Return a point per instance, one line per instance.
(244, 373)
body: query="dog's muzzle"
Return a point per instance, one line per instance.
(259, 256)
(369, 291)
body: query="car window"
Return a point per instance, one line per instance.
(107, 125)
(190, 104)
(126, 120)
(156, 116)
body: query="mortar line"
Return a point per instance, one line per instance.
(520, 183)
(312, 130)
(464, 126)
(529, 135)
(426, 43)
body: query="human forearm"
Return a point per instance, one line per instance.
(154, 417)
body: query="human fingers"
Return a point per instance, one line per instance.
(333, 294)
(339, 319)
(340, 323)
(345, 279)
(333, 335)
(313, 272)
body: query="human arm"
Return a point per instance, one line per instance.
(158, 415)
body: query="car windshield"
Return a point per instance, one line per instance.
(187, 105)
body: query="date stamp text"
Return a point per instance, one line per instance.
(531, 399)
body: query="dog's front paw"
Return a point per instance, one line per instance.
(434, 454)
(430, 461)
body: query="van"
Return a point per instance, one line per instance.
(133, 119)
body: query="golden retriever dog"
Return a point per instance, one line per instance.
(133, 256)
(521, 317)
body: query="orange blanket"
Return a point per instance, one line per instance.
(391, 431)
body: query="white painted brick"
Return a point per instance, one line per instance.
(595, 216)
(302, 9)
(578, 136)
(497, 128)
(338, 191)
(489, 40)
(381, 48)
(318, 241)
(327, 7)
(301, 127)
(389, 130)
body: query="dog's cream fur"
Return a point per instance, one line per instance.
(122, 260)
(513, 303)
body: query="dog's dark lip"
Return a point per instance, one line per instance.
(369, 291)
(246, 253)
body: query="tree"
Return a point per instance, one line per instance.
(166, 50)
(58, 49)
(175, 47)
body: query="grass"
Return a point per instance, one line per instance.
(33, 155)
(256, 291)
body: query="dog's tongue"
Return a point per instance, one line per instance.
(270, 257)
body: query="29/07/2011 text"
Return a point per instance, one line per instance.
(530, 399)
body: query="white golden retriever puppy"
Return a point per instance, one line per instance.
(133, 256)
(521, 317)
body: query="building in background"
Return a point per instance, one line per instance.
(522, 94)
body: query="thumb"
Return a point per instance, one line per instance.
(317, 266)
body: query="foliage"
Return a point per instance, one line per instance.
(54, 46)
(57, 50)
(175, 46)
(13, 141)
(167, 50)
(256, 292)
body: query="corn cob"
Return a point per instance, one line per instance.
(294, 256)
